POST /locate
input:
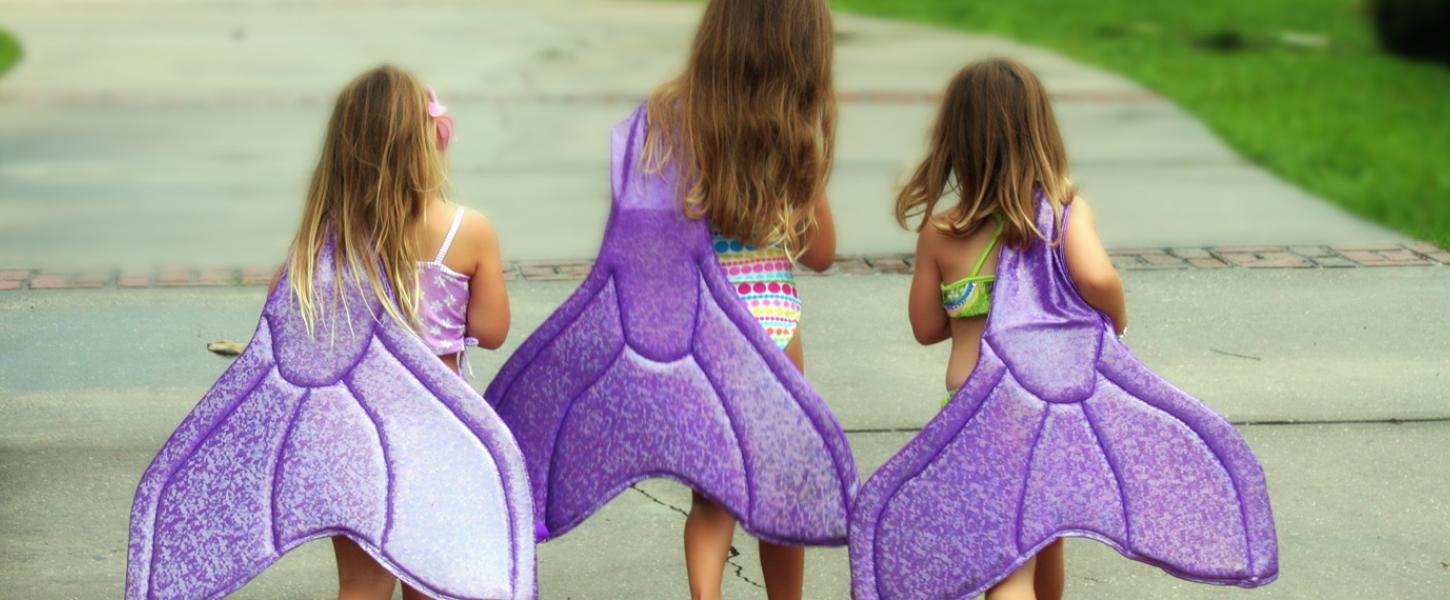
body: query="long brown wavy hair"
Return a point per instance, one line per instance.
(380, 164)
(995, 144)
(750, 125)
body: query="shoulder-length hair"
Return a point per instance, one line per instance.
(995, 146)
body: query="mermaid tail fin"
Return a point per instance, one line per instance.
(1060, 431)
(358, 432)
(654, 368)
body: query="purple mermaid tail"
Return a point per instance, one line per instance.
(654, 368)
(359, 432)
(1059, 432)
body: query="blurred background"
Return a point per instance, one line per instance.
(1248, 161)
(143, 133)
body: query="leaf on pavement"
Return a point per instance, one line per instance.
(226, 348)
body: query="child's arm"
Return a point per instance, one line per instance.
(822, 250)
(929, 322)
(488, 298)
(1091, 269)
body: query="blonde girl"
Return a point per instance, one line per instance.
(379, 188)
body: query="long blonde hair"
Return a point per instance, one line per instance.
(380, 164)
(995, 145)
(750, 125)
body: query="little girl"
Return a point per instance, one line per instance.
(749, 129)
(679, 356)
(380, 184)
(345, 417)
(1051, 427)
(996, 144)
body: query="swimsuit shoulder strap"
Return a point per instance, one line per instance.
(991, 245)
(452, 231)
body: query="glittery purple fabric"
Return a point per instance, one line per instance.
(359, 432)
(1060, 432)
(654, 368)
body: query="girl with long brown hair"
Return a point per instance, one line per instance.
(994, 149)
(749, 130)
(378, 194)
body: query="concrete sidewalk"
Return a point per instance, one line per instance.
(140, 133)
(92, 382)
(1340, 491)
(1227, 336)
(145, 133)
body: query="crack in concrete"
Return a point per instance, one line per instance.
(655, 499)
(1235, 354)
(740, 569)
(1257, 423)
(729, 560)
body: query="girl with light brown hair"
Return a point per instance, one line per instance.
(749, 127)
(378, 193)
(995, 147)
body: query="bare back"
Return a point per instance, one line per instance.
(942, 259)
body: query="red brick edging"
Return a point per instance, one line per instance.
(231, 98)
(1420, 254)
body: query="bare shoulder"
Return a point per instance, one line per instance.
(929, 237)
(932, 230)
(931, 244)
(476, 228)
(1081, 210)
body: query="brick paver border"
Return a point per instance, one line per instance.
(264, 99)
(1419, 254)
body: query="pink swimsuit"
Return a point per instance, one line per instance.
(443, 305)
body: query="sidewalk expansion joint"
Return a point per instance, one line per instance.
(1212, 258)
(287, 99)
(1240, 423)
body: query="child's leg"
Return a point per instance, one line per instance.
(1018, 585)
(359, 577)
(708, 530)
(1051, 574)
(784, 568)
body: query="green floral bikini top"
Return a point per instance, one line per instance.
(971, 296)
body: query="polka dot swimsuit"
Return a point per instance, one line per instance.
(766, 284)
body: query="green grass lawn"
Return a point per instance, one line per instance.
(9, 51)
(1348, 122)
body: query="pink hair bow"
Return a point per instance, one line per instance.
(439, 113)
